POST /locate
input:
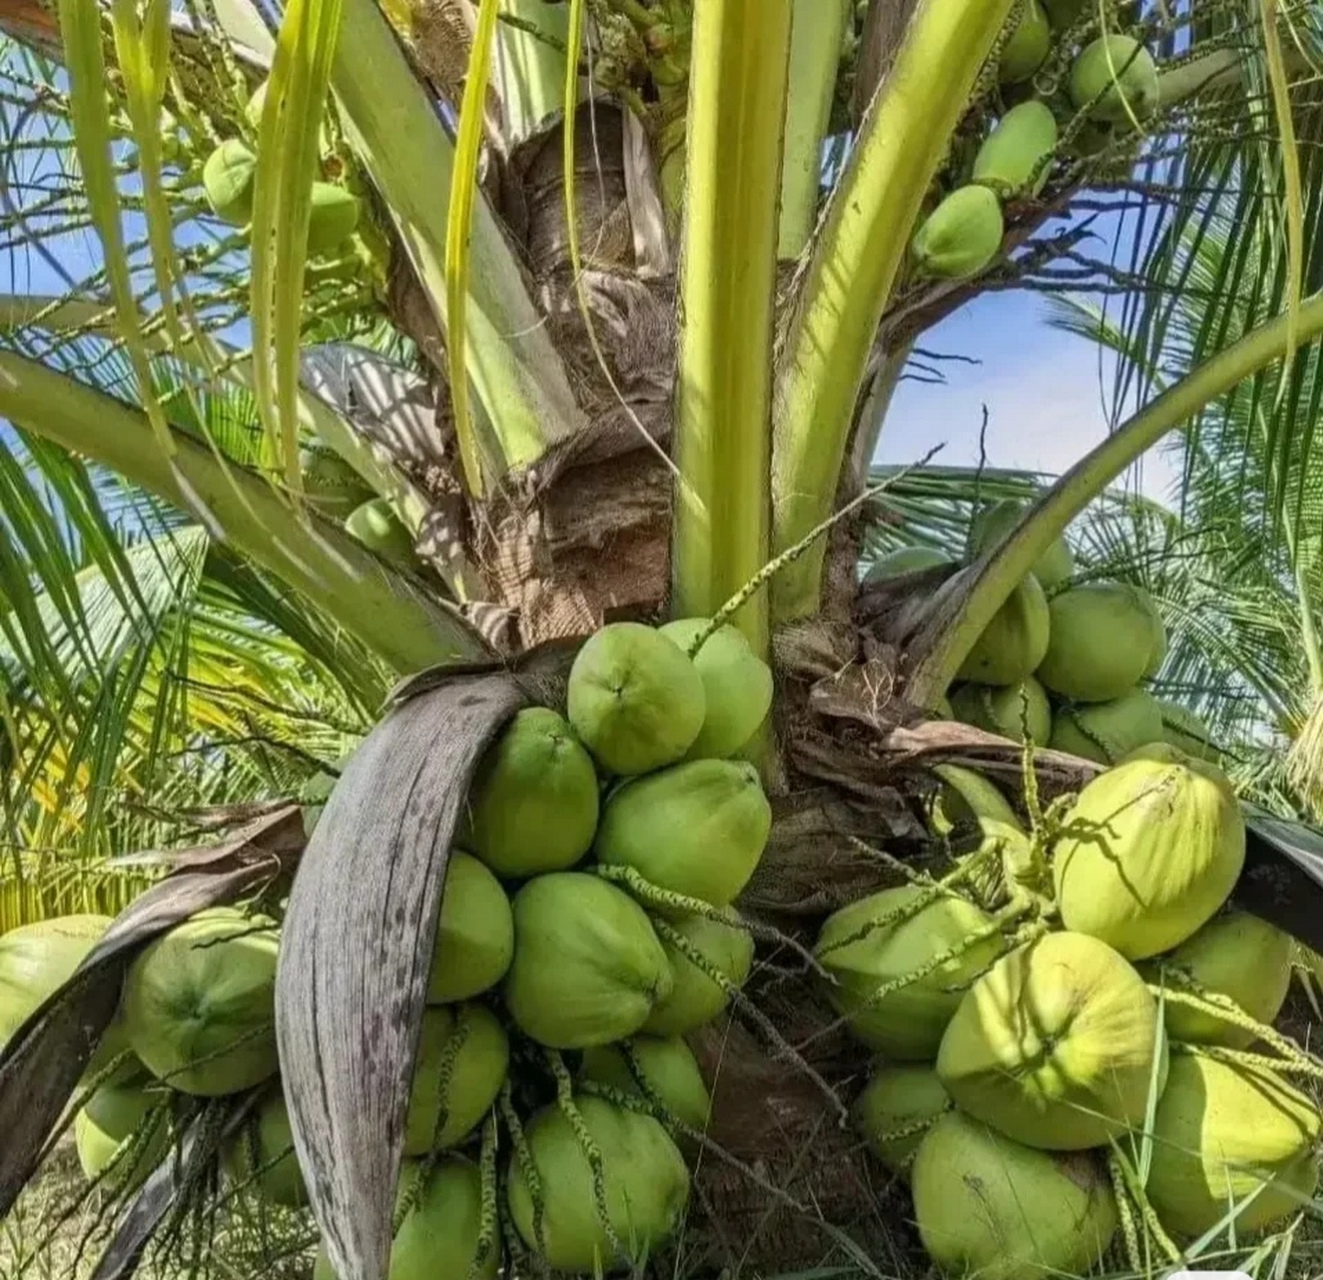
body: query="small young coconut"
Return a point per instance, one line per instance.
(1006, 709)
(379, 529)
(588, 968)
(905, 560)
(475, 935)
(697, 828)
(962, 236)
(896, 1109)
(441, 1234)
(227, 182)
(994, 524)
(635, 700)
(1100, 640)
(1016, 157)
(695, 998)
(669, 1074)
(1235, 955)
(991, 1208)
(645, 1183)
(1058, 1046)
(1107, 731)
(1223, 1132)
(865, 952)
(737, 687)
(333, 217)
(533, 805)
(1115, 78)
(1014, 643)
(444, 1111)
(1028, 46)
(1149, 852)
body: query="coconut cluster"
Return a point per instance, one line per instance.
(1088, 995)
(1110, 88)
(1064, 664)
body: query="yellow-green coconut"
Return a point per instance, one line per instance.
(1221, 1133)
(227, 181)
(696, 997)
(644, 1181)
(380, 530)
(1107, 731)
(534, 803)
(441, 1235)
(664, 1071)
(1149, 852)
(1028, 45)
(462, 1059)
(1100, 641)
(895, 1110)
(588, 968)
(110, 1132)
(475, 933)
(870, 946)
(1016, 157)
(262, 1155)
(1236, 956)
(990, 1208)
(737, 687)
(36, 960)
(696, 829)
(332, 218)
(635, 699)
(199, 1003)
(962, 236)
(1014, 642)
(1006, 710)
(1058, 1046)
(1115, 78)
(994, 524)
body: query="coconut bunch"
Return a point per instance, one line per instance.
(1062, 88)
(1066, 665)
(1036, 1027)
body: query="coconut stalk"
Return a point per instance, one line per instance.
(903, 140)
(334, 572)
(723, 412)
(968, 601)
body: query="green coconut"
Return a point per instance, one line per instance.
(964, 799)
(895, 1110)
(1016, 157)
(645, 1184)
(379, 529)
(905, 560)
(695, 998)
(333, 217)
(737, 687)
(475, 934)
(441, 1234)
(1115, 78)
(1149, 852)
(994, 524)
(533, 805)
(1014, 642)
(1237, 956)
(990, 1208)
(588, 968)
(1158, 653)
(1028, 46)
(199, 1003)
(332, 486)
(1187, 732)
(107, 1133)
(696, 829)
(461, 1064)
(1064, 13)
(261, 1154)
(1222, 1132)
(1005, 709)
(227, 182)
(1100, 639)
(1107, 731)
(864, 950)
(667, 1073)
(635, 699)
(1056, 1046)
(36, 960)
(962, 236)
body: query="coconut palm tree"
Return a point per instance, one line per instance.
(647, 274)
